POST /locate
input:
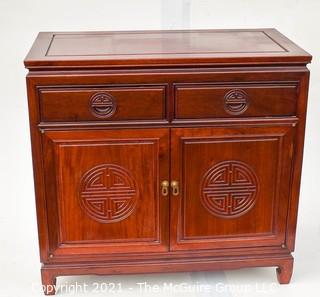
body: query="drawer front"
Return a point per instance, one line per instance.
(244, 100)
(102, 104)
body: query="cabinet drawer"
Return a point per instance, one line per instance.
(246, 100)
(102, 104)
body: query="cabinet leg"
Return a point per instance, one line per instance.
(284, 272)
(48, 282)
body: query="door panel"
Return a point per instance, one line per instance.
(106, 195)
(234, 186)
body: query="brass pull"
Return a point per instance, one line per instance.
(175, 188)
(165, 188)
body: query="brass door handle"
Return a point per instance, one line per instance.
(175, 188)
(165, 188)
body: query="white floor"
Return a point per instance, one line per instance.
(25, 281)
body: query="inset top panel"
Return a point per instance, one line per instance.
(165, 48)
(158, 43)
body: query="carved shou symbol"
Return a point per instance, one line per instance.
(108, 193)
(229, 189)
(103, 105)
(236, 101)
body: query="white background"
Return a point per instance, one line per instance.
(20, 21)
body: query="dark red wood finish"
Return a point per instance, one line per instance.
(166, 150)
(71, 104)
(213, 101)
(200, 159)
(134, 162)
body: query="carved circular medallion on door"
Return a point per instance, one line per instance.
(236, 102)
(108, 193)
(229, 189)
(103, 105)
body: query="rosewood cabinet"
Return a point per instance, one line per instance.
(158, 151)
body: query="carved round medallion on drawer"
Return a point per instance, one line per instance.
(236, 101)
(103, 105)
(108, 193)
(229, 189)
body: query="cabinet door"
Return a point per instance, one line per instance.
(102, 191)
(234, 186)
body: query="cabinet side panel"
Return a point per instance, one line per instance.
(38, 171)
(298, 159)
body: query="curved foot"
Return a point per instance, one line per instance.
(48, 282)
(284, 272)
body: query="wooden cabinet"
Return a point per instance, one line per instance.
(181, 151)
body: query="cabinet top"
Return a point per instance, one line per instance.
(183, 48)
